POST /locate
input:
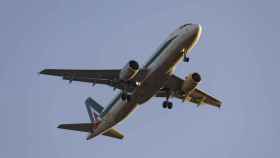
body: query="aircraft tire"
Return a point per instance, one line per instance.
(164, 104)
(128, 97)
(169, 105)
(186, 59)
(124, 96)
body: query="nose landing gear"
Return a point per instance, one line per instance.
(167, 104)
(186, 59)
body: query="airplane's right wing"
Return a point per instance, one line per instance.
(199, 97)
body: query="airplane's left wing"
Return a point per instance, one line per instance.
(107, 77)
(83, 75)
(196, 96)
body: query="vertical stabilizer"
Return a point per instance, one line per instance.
(93, 109)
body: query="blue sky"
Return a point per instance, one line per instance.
(237, 57)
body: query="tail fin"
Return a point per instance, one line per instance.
(93, 115)
(94, 110)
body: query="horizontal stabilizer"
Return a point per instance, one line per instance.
(113, 133)
(82, 127)
(88, 127)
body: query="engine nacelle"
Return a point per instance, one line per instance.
(191, 82)
(129, 71)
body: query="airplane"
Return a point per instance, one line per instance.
(137, 85)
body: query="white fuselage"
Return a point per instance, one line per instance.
(160, 67)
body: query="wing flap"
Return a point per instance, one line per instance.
(89, 80)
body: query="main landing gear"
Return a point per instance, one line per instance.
(125, 96)
(167, 104)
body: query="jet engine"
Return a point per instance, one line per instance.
(191, 82)
(129, 71)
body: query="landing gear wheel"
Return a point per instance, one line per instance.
(164, 104)
(126, 97)
(169, 105)
(186, 59)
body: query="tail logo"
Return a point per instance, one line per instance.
(96, 122)
(94, 109)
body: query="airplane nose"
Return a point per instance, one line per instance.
(192, 35)
(196, 30)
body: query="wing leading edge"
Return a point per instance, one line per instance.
(92, 76)
(106, 77)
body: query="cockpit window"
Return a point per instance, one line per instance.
(184, 25)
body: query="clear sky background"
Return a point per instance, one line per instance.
(237, 56)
